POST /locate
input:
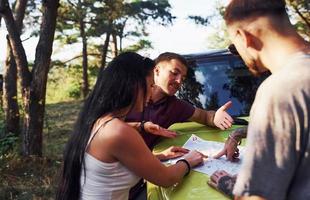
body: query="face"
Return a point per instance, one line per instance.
(169, 76)
(142, 98)
(248, 54)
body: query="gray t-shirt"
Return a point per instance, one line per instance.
(277, 159)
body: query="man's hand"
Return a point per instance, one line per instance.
(172, 152)
(223, 182)
(155, 129)
(221, 118)
(230, 150)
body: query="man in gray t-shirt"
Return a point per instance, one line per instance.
(277, 159)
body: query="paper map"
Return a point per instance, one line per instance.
(211, 148)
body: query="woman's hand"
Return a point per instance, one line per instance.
(172, 152)
(195, 158)
(155, 129)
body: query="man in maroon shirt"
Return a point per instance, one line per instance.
(165, 108)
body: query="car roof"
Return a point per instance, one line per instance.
(208, 54)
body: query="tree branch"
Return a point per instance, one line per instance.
(302, 16)
(20, 13)
(78, 56)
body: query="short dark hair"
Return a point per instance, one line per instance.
(167, 56)
(238, 10)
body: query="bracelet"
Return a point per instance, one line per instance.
(142, 126)
(187, 164)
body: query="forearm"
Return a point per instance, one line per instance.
(166, 176)
(209, 119)
(203, 117)
(240, 133)
(175, 174)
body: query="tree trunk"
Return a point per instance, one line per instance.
(1, 93)
(18, 51)
(85, 61)
(17, 48)
(19, 11)
(114, 45)
(120, 43)
(33, 88)
(33, 126)
(105, 49)
(10, 105)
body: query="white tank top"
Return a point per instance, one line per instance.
(105, 181)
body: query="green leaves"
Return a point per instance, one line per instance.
(7, 143)
(200, 20)
(300, 13)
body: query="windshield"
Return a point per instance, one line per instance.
(211, 83)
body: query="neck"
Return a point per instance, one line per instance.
(120, 114)
(157, 93)
(278, 49)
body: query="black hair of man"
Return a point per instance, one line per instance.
(167, 56)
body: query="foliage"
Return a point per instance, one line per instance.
(64, 82)
(191, 88)
(28, 178)
(300, 13)
(7, 143)
(124, 19)
(33, 177)
(200, 20)
(218, 38)
(141, 44)
(1, 121)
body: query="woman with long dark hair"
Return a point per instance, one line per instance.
(105, 157)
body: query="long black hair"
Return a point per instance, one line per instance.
(116, 88)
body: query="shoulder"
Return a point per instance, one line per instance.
(285, 86)
(117, 131)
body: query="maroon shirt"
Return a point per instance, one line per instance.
(164, 112)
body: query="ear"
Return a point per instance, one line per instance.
(156, 70)
(249, 40)
(244, 36)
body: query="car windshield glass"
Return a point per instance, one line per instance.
(211, 84)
